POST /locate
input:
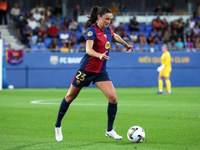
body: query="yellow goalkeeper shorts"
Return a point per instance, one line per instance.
(165, 72)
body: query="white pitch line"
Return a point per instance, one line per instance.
(50, 102)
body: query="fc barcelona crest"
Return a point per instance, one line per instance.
(107, 45)
(14, 57)
(54, 60)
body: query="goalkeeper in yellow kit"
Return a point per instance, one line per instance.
(164, 71)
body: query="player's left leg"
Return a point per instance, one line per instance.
(109, 91)
(168, 85)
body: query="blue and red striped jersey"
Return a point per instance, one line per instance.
(102, 40)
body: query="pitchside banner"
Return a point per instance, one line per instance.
(125, 69)
(14, 57)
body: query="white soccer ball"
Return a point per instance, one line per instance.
(10, 87)
(136, 134)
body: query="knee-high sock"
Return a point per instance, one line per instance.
(168, 85)
(112, 110)
(160, 85)
(63, 109)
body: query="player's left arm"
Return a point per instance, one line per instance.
(118, 39)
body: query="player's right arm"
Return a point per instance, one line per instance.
(91, 52)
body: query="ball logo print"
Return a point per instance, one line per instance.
(136, 134)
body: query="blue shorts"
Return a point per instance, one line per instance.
(84, 78)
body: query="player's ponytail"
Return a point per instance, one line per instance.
(95, 11)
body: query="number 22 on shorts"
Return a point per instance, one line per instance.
(80, 76)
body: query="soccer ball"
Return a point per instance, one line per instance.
(136, 134)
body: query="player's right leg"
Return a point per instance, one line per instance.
(109, 91)
(160, 84)
(71, 95)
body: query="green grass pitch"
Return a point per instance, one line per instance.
(171, 122)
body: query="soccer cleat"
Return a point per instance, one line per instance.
(58, 132)
(113, 135)
(159, 92)
(168, 93)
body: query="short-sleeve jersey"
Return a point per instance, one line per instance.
(102, 40)
(166, 60)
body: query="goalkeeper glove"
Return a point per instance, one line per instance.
(160, 68)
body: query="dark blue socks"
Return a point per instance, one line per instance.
(63, 109)
(112, 110)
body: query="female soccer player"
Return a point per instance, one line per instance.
(164, 71)
(93, 67)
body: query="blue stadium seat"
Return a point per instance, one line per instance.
(114, 46)
(42, 47)
(68, 32)
(34, 48)
(60, 32)
(195, 20)
(149, 27)
(78, 34)
(80, 27)
(137, 47)
(158, 47)
(146, 34)
(136, 33)
(78, 46)
(155, 33)
(59, 41)
(4, 47)
(52, 19)
(62, 20)
(128, 33)
(146, 47)
(142, 27)
(47, 41)
(126, 27)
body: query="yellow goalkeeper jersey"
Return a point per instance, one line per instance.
(166, 60)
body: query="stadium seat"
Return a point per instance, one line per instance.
(146, 47)
(142, 27)
(60, 32)
(80, 27)
(136, 33)
(114, 46)
(78, 34)
(158, 47)
(34, 48)
(148, 27)
(137, 47)
(42, 47)
(146, 34)
(126, 27)
(68, 32)
(52, 19)
(129, 33)
(78, 46)
(62, 20)
(4, 47)
(59, 41)
(47, 41)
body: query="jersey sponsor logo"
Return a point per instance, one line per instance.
(90, 33)
(107, 45)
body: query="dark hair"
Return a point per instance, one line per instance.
(95, 11)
